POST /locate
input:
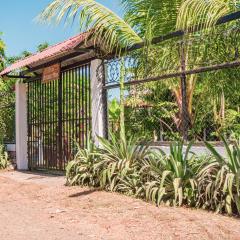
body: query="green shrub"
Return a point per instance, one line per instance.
(219, 180)
(81, 170)
(172, 177)
(4, 162)
(120, 164)
(176, 179)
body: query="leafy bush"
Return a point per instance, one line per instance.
(176, 179)
(81, 170)
(120, 164)
(219, 181)
(3, 158)
(172, 176)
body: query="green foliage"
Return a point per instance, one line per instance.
(42, 46)
(114, 110)
(173, 177)
(4, 162)
(219, 181)
(159, 15)
(204, 13)
(7, 110)
(81, 171)
(2, 52)
(120, 159)
(107, 25)
(176, 179)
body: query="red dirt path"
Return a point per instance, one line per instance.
(42, 208)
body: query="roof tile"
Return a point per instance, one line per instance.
(51, 51)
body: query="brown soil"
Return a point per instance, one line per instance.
(41, 207)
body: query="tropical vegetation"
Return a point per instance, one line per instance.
(179, 178)
(4, 160)
(154, 111)
(7, 93)
(156, 108)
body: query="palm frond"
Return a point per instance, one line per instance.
(202, 13)
(159, 15)
(107, 26)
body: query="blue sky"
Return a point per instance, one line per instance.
(21, 32)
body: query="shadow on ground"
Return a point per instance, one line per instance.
(85, 193)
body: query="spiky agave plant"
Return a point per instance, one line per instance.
(120, 163)
(81, 171)
(219, 181)
(172, 177)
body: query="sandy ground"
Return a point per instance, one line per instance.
(34, 206)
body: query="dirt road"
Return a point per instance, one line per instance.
(42, 208)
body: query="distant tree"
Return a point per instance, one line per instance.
(2, 52)
(42, 46)
(12, 59)
(7, 99)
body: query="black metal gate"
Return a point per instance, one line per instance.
(58, 118)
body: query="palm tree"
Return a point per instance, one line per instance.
(204, 13)
(164, 16)
(143, 20)
(103, 23)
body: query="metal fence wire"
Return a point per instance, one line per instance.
(183, 88)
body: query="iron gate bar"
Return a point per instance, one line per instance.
(89, 101)
(58, 114)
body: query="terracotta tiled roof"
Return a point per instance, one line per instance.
(49, 52)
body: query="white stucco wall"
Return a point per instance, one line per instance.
(97, 102)
(21, 126)
(198, 150)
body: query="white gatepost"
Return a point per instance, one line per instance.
(21, 126)
(97, 100)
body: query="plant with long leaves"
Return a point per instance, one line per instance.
(81, 171)
(171, 177)
(120, 163)
(4, 161)
(104, 24)
(219, 181)
(204, 14)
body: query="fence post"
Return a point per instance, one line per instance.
(98, 101)
(21, 126)
(184, 112)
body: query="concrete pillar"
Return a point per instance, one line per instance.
(21, 126)
(98, 102)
